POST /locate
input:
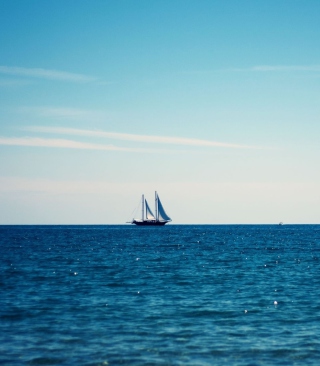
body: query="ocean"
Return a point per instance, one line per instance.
(172, 295)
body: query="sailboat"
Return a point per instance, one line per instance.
(148, 218)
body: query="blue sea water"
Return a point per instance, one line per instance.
(173, 295)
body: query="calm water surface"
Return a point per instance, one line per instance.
(173, 295)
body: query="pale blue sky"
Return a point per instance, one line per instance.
(214, 104)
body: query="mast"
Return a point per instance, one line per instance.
(156, 204)
(142, 214)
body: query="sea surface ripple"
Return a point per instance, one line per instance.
(173, 295)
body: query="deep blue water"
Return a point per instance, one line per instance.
(173, 295)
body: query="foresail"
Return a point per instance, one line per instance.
(149, 214)
(161, 212)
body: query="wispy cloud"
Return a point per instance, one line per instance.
(67, 144)
(69, 113)
(64, 113)
(14, 82)
(137, 138)
(276, 68)
(313, 68)
(45, 74)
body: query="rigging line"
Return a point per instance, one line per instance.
(135, 210)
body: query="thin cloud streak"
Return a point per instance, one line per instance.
(14, 82)
(138, 138)
(286, 68)
(64, 113)
(68, 113)
(276, 68)
(68, 144)
(45, 74)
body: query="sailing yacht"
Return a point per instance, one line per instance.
(148, 218)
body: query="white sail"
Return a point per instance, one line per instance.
(149, 214)
(161, 212)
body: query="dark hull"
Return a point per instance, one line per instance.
(149, 223)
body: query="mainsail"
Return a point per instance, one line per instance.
(149, 214)
(162, 216)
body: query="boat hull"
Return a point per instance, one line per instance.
(149, 223)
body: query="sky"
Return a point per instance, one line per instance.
(213, 104)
